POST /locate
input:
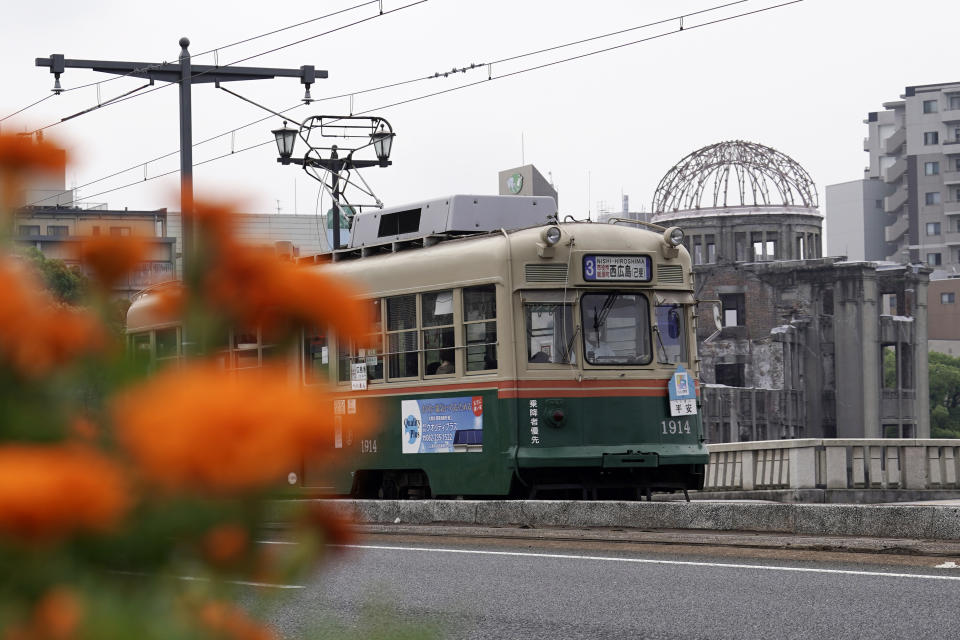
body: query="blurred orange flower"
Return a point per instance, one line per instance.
(111, 258)
(20, 153)
(332, 524)
(225, 544)
(19, 156)
(48, 492)
(36, 335)
(56, 616)
(229, 621)
(255, 288)
(199, 428)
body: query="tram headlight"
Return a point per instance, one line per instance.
(673, 236)
(551, 236)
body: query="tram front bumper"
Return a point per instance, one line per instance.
(607, 457)
(627, 460)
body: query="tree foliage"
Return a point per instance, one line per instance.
(944, 396)
(67, 284)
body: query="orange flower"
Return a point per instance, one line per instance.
(48, 492)
(36, 335)
(256, 288)
(19, 156)
(225, 544)
(20, 153)
(330, 523)
(229, 621)
(111, 258)
(57, 615)
(83, 429)
(199, 428)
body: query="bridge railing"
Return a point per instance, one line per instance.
(860, 463)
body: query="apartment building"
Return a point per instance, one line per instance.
(914, 147)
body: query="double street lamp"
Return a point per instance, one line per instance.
(373, 131)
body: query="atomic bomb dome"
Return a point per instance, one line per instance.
(740, 201)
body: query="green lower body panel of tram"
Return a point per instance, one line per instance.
(474, 443)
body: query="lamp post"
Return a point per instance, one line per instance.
(376, 133)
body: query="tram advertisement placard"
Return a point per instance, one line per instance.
(441, 425)
(683, 393)
(616, 268)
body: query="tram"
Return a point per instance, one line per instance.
(513, 355)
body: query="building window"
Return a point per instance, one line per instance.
(733, 309)
(58, 230)
(119, 231)
(933, 259)
(730, 375)
(954, 102)
(878, 204)
(932, 197)
(930, 106)
(711, 249)
(958, 225)
(933, 228)
(931, 168)
(931, 137)
(956, 164)
(947, 297)
(29, 230)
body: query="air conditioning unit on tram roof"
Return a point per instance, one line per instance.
(453, 215)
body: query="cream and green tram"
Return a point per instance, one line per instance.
(553, 360)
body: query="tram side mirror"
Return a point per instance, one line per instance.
(673, 324)
(717, 317)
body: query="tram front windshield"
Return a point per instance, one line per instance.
(616, 328)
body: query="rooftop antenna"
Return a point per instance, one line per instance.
(278, 206)
(589, 194)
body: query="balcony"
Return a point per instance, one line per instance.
(952, 239)
(866, 144)
(951, 208)
(892, 144)
(951, 177)
(894, 201)
(894, 171)
(950, 115)
(893, 232)
(951, 147)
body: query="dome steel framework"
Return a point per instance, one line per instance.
(736, 173)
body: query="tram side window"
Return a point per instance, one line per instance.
(140, 349)
(436, 312)
(246, 347)
(166, 345)
(402, 339)
(550, 332)
(616, 328)
(316, 356)
(480, 327)
(373, 353)
(671, 334)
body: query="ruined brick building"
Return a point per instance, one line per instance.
(808, 346)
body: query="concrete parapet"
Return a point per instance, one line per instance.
(933, 522)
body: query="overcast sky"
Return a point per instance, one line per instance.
(800, 78)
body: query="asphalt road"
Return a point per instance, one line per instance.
(394, 586)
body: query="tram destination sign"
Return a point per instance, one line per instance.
(607, 268)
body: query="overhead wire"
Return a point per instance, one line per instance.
(195, 55)
(680, 29)
(122, 99)
(428, 77)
